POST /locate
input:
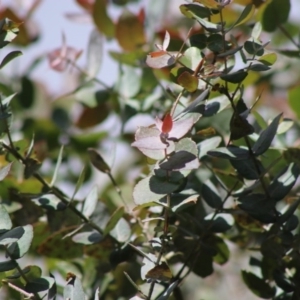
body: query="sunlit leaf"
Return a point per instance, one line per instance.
(246, 15)
(94, 53)
(90, 202)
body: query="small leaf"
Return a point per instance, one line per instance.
(258, 286)
(102, 20)
(248, 168)
(5, 221)
(114, 219)
(11, 236)
(87, 237)
(37, 285)
(254, 47)
(97, 161)
(94, 53)
(288, 214)
(208, 3)
(276, 13)
(7, 265)
(283, 182)
(49, 201)
(130, 31)
(188, 81)
(246, 15)
(268, 59)
(5, 171)
(160, 272)
(293, 98)
(9, 57)
(19, 248)
(211, 195)
(58, 163)
(239, 127)
(121, 232)
(208, 145)
(160, 59)
(230, 152)
(236, 77)
(259, 67)
(90, 202)
(220, 223)
(73, 290)
(266, 137)
(167, 124)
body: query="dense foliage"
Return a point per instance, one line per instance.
(152, 210)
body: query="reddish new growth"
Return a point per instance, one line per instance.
(167, 124)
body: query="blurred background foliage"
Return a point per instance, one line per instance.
(51, 135)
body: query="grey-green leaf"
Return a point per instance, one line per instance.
(90, 202)
(5, 222)
(266, 137)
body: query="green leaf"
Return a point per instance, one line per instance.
(90, 202)
(102, 20)
(230, 152)
(266, 137)
(246, 15)
(275, 14)
(5, 171)
(294, 96)
(8, 265)
(248, 168)
(236, 77)
(258, 286)
(185, 157)
(193, 11)
(220, 223)
(290, 53)
(191, 58)
(58, 163)
(208, 145)
(73, 290)
(20, 248)
(212, 106)
(152, 188)
(11, 236)
(215, 43)
(9, 57)
(259, 207)
(39, 284)
(87, 237)
(268, 59)
(223, 252)
(79, 182)
(129, 82)
(211, 195)
(198, 13)
(198, 40)
(254, 47)
(259, 67)
(49, 201)
(121, 232)
(94, 53)
(289, 213)
(114, 219)
(283, 182)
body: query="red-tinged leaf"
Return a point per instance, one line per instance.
(158, 53)
(167, 124)
(160, 61)
(130, 32)
(141, 16)
(102, 20)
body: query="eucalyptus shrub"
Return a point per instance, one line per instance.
(212, 171)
